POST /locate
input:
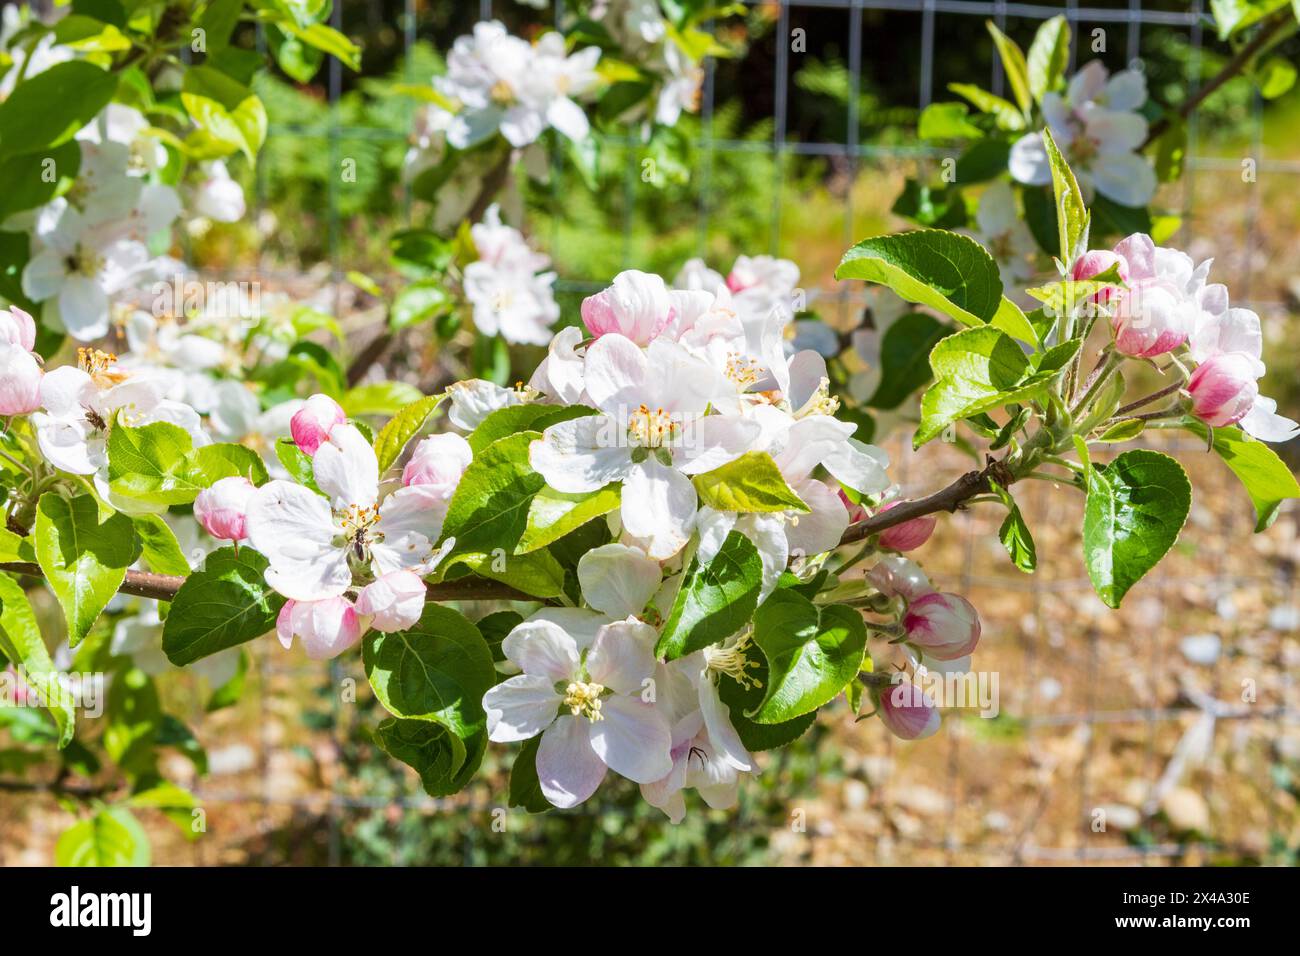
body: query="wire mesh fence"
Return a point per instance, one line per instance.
(1106, 665)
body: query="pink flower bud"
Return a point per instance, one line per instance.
(17, 328)
(438, 463)
(393, 602)
(945, 626)
(910, 534)
(1224, 388)
(311, 425)
(1094, 263)
(1151, 319)
(220, 509)
(20, 380)
(327, 627)
(856, 511)
(637, 306)
(896, 576)
(908, 711)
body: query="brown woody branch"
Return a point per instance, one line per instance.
(1240, 60)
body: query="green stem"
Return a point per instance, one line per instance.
(1095, 381)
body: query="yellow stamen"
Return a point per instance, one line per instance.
(583, 700)
(650, 429)
(99, 366)
(733, 662)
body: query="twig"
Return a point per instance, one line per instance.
(1268, 29)
(1147, 400)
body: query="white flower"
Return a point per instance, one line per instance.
(1004, 234)
(475, 399)
(500, 82)
(618, 580)
(681, 89)
(312, 542)
(219, 197)
(81, 403)
(1098, 129)
(652, 434)
(584, 696)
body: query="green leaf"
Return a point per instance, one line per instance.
(743, 700)
(112, 837)
(157, 463)
(490, 507)
(420, 301)
(437, 671)
(905, 357)
(553, 514)
(947, 121)
(811, 653)
(400, 429)
(1004, 112)
(1267, 479)
(525, 788)
(1126, 430)
(1011, 319)
(1014, 533)
(1275, 77)
(1234, 16)
(297, 463)
(159, 547)
(33, 179)
(749, 484)
(211, 463)
(48, 109)
(327, 40)
(431, 750)
(716, 599)
(1049, 55)
(21, 644)
(521, 418)
(83, 556)
(951, 273)
(1013, 63)
(1071, 213)
(536, 573)
(379, 398)
(224, 604)
(229, 115)
(1136, 506)
(976, 370)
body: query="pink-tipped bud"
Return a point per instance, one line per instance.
(327, 627)
(637, 305)
(221, 509)
(1094, 263)
(311, 425)
(945, 626)
(17, 328)
(908, 535)
(393, 602)
(1151, 319)
(1224, 388)
(20, 380)
(438, 463)
(897, 576)
(908, 711)
(856, 511)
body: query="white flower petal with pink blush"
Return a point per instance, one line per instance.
(945, 626)
(222, 508)
(393, 601)
(20, 380)
(897, 576)
(17, 328)
(1223, 388)
(637, 305)
(345, 468)
(438, 463)
(618, 580)
(327, 627)
(295, 531)
(312, 424)
(908, 711)
(568, 767)
(622, 656)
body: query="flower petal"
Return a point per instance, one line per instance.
(632, 739)
(543, 649)
(618, 580)
(581, 454)
(346, 469)
(622, 658)
(568, 768)
(293, 528)
(520, 707)
(658, 508)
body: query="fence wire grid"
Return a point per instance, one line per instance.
(1033, 648)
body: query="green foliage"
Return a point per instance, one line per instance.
(112, 836)
(748, 484)
(158, 464)
(716, 599)
(224, 604)
(1266, 478)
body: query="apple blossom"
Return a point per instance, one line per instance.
(1004, 234)
(1100, 131)
(20, 380)
(313, 542)
(1223, 388)
(510, 297)
(393, 601)
(219, 197)
(475, 399)
(584, 697)
(944, 626)
(908, 711)
(17, 328)
(897, 576)
(637, 305)
(326, 627)
(312, 424)
(221, 509)
(651, 434)
(1162, 305)
(438, 463)
(909, 535)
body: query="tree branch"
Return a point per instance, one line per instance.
(163, 587)
(948, 499)
(1267, 31)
